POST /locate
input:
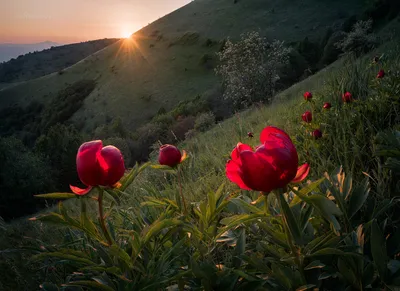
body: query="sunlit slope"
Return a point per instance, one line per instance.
(173, 58)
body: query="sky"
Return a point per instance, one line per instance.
(68, 21)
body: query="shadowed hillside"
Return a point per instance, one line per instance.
(39, 63)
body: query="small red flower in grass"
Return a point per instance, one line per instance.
(307, 96)
(381, 74)
(307, 116)
(250, 134)
(347, 97)
(327, 105)
(98, 166)
(170, 156)
(317, 134)
(273, 164)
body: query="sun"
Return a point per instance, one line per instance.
(126, 34)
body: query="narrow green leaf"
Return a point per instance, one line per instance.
(314, 265)
(305, 287)
(48, 287)
(357, 197)
(56, 196)
(240, 248)
(378, 250)
(246, 206)
(120, 254)
(291, 221)
(90, 284)
(235, 220)
(332, 251)
(63, 256)
(51, 217)
(158, 226)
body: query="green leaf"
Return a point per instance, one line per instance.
(56, 196)
(314, 265)
(240, 248)
(121, 254)
(291, 221)
(90, 284)
(128, 179)
(48, 287)
(332, 251)
(246, 206)
(357, 197)
(378, 250)
(51, 217)
(63, 256)
(305, 287)
(235, 220)
(158, 226)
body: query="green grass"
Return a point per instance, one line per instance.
(134, 80)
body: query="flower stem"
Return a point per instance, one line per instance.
(101, 217)
(180, 190)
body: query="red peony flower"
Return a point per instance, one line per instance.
(317, 134)
(98, 166)
(347, 97)
(170, 155)
(273, 164)
(250, 134)
(307, 96)
(327, 105)
(307, 116)
(381, 74)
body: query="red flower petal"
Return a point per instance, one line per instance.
(302, 173)
(86, 163)
(272, 131)
(80, 191)
(240, 147)
(112, 165)
(233, 172)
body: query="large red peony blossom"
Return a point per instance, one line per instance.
(273, 165)
(98, 166)
(307, 96)
(170, 155)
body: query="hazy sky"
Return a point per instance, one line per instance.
(64, 21)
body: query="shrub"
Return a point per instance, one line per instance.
(359, 40)
(250, 68)
(331, 52)
(22, 174)
(204, 121)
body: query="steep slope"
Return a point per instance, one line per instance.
(172, 59)
(13, 50)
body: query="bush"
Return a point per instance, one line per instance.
(359, 40)
(22, 174)
(331, 52)
(204, 121)
(250, 68)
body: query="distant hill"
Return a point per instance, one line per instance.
(46, 58)
(12, 50)
(173, 59)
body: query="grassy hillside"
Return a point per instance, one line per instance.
(173, 58)
(39, 63)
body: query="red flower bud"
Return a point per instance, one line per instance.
(169, 155)
(381, 74)
(98, 166)
(317, 134)
(347, 97)
(327, 105)
(273, 165)
(307, 96)
(307, 116)
(250, 134)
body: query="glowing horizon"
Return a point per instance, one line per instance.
(26, 21)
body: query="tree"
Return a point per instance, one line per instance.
(250, 68)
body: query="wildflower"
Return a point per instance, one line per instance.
(307, 96)
(273, 164)
(317, 134)
(381, 74)
(170, 155)
(327, 105)
(250, 134)
(307, 116)
(347, 97)
(98, 166)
